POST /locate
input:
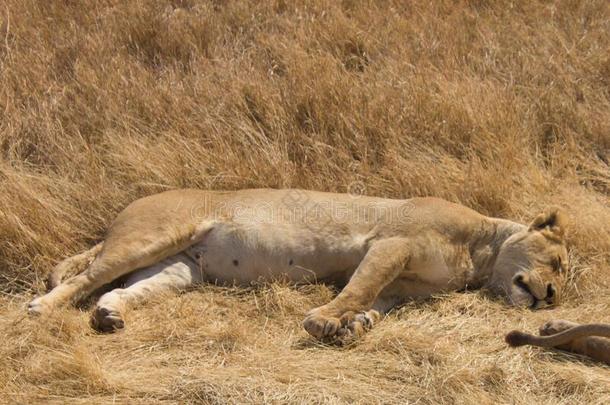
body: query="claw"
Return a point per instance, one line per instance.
(349, 325)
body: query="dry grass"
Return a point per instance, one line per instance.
(504, 107)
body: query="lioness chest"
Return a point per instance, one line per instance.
(437, 265)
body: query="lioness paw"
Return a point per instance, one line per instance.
(555, 326)
(38, 307)
(321, 326)
(106, 320)
(348, 326)
(354, 325)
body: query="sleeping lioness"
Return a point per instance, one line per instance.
(382, 251)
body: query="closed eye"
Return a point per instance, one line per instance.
(556, 265)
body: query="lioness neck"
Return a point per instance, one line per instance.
(485, 247)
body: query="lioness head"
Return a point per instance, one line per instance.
(531, 265)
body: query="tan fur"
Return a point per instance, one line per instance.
(384, 250)
(589, 340)
(72, 266)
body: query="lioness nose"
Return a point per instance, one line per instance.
(551, 294)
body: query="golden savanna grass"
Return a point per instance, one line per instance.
(501, 106)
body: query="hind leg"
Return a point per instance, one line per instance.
(119, 256)
(104, 269)
(73, 265)
(175, 273)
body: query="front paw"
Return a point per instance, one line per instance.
(320, 324)
(354, 325)
(349, 325)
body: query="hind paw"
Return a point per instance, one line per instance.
(106, 320)
(38, 307)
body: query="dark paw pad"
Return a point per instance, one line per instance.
(107, 321)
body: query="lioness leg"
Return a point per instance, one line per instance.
(72, 265)
(120, 254)
(174, 273)
(381, 265)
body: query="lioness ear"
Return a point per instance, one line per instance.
(553, 219)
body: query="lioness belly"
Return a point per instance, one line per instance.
(240, 253)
